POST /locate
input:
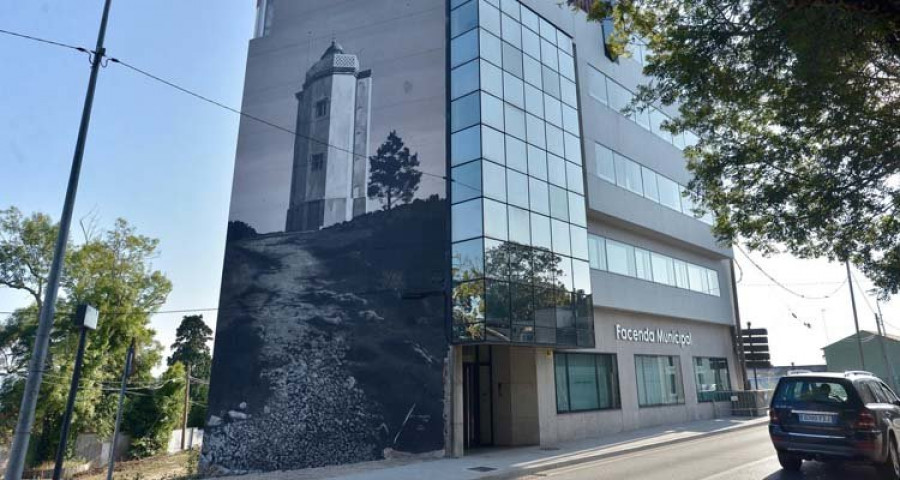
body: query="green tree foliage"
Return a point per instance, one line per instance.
(796, 104)
(191, 348)
(110, 270)
(153, 413)
(394, 172)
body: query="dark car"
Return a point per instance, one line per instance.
(849, 416)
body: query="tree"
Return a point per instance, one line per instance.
(111, 271)
(795, 104)
(191, 348)
(394, 172)
(155, 412)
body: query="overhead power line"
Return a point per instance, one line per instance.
(785, 287)
(43, 40)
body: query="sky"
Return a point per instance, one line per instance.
(164, 161)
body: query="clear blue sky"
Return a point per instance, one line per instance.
(164, 160)
(154, 156)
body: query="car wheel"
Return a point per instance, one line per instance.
(790, 462)
(890, 469)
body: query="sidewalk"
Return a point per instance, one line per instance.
(499, 463)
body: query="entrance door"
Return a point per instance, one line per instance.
(477, 401)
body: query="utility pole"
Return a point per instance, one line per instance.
(862, 358)
(882, 332)
(187, 402)
(16, 464)
(753, 352)
(125, 373)
(86, 319)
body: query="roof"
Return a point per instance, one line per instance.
(866, 336)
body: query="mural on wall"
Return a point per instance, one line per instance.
(331, 337)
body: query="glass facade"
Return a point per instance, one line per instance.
(586, 381)
(712, 379)
(616, 257)
(520, 256)
(659, 380)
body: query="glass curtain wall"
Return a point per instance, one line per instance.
(520, 254)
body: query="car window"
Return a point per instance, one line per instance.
(812, 390)
(888, 393)
(873, 394)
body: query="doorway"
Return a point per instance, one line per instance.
(478, 425)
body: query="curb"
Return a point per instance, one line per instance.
(601, 456)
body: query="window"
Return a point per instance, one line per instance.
(586, 382)
(597, 86)
(619, 98)
(464, 48)
(597, 252)
(651, 190)
(465, 145)
(663, 269)
(643, 266)
(697, 278)
(628, 174)
(811, 390)
(659, 380)
(681, 274)
(491, 79)
(620, 258)
(318, 162)
(463, 19)
(604, 165)
(322, 108)
(669, 193)
(713, 281)
(712, 379)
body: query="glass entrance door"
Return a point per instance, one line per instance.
(478, 415)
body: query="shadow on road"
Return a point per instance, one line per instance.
(827, 471)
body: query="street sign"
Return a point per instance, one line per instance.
(86, 316)
(755, 332)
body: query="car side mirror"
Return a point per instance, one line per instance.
(896, 403)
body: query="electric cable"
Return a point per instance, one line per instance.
(785, 287)
(44, 40)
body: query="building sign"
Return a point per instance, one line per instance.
(648, 335)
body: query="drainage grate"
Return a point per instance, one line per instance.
(483, 469)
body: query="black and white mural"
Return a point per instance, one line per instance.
(331, 339)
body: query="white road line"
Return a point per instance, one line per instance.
(740, 468)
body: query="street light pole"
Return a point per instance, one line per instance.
(862, 358)
(16, 464)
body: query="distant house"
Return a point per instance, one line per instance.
(843, 355)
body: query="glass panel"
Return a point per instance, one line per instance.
(566, 65)
(497, 308)
(651, 190)
(546, 268)
(466, 220)
(669, 193)
(559, 203)
(494, 181)
(690, 139)
(570, 119)
(620, 258)
(568, 93)
(463, 19)
(515, 123)
(540, 231)
(555, 142)
(466, 182)
(491, 111)
(581, 276)
(608, 381)
(491, 79)
(513, 90)
(551, 81)
(531, 43)
(574, 178)
(663, 269)
(713, 279)
(562, 380)
(681, 274)
(465, 145)
(712, 376)
(512, 31)
(659, 380)
(468, 311)
(464, 48)
(529, 19)
(495, 224)
(536, 135)
(464, 79)
(549, 55)
(537, 163)
(597, 252)
(582, 382)
(532, 69)
(522, 295)
(489, 17)
(642, 118)
(604, 166)
(491, 49)
(697, 278)
(548, 31)
(678, 141)
(493, 145)
(643, 265)
(510, 7)
(628, 174)
(564, 43)
(520, 262)
(517, 188)
(556, 170)
(534, 101)
(539, 196)
(579, 242)
(464, 112)
(561, 242)
(577, 213)
(496, 259)
(573, 148)
(552, 110)
(545, 307)
(618, 96)
(468, 260)
(687, 202)
(516, 154)
(512, 60)
(656, 121)
(597, 86)
(519, 226)
(565, 281)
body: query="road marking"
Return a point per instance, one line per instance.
(740, 467)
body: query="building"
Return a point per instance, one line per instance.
(328, 183)
(880, 355)
(582, 294)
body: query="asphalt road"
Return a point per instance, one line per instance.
(741, 455)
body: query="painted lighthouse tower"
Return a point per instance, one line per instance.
(331, 149)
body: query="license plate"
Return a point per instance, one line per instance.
(820, 419)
